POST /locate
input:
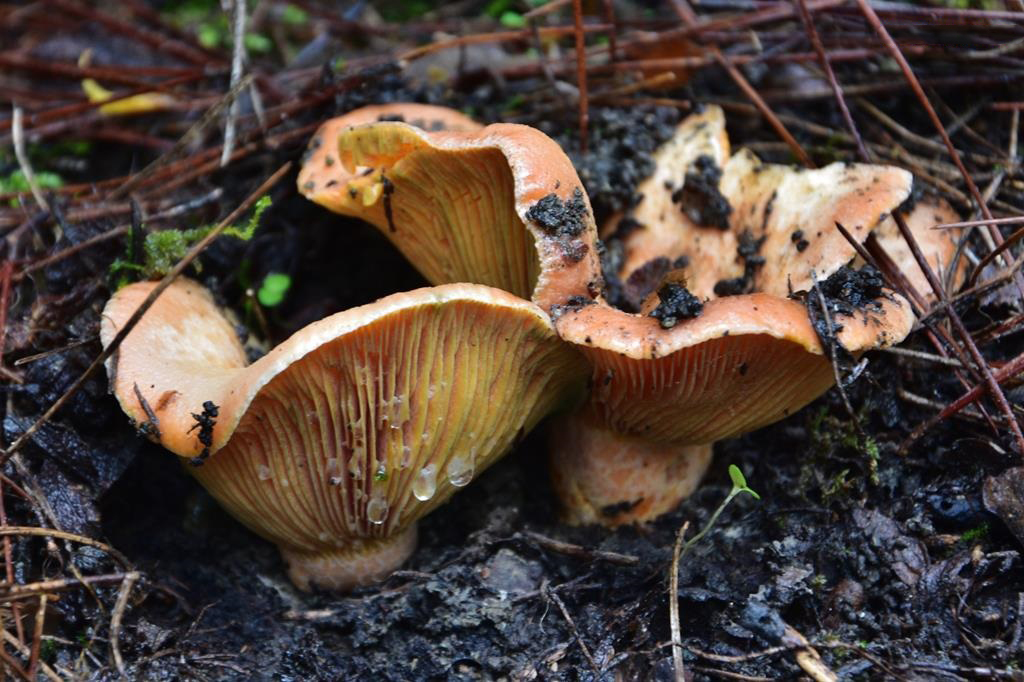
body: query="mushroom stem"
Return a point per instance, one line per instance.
(358, 563)
(613, 479)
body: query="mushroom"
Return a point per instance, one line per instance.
(500, 206)
(322, 177)
(338, 440)
(719, 261)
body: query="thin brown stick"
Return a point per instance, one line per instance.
(553, 596)
(65, 535)
(812, 33)
(570, 549)
(1010, 369)
(115, 620)
(12, 592)
(673, 606)
(546, 8)
(13, 665)
(192, 254)
(581, 73)
(238, 18)
(71, 250)
(807, 657)
(979, 223)
(921, 355)
(37, 636)
(497, 37)
(18, 133)
(6, 271)
(689, 17)
(9, 568)
(994, 253)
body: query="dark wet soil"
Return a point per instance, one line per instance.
(893, 566)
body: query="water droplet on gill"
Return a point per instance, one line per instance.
(460, 469)
(333, 470)
(406, 457)
(264, 472)
(425, 483)
(354, 468)
(377, 509)
(323, 536)
(284, 482)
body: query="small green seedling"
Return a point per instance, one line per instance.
(739, 486)
(272, 291)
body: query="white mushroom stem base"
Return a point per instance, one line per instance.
(343, 569)
(604, 477)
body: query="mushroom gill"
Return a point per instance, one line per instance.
(500, 206)
(338, 440)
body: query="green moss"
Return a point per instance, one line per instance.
(975, 534)
(162, 250)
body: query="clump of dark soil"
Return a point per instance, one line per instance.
(620, 147)
(560, 218)
(848, 290)
(699, 197)
(748, 250)
(676, 303)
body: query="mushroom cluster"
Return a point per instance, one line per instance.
(336, 442)
(697, 330)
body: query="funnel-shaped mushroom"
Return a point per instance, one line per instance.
(500, 206)
(338, 440)
(711, 257)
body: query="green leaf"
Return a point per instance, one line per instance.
(209, 36)
(512, 19)
(294, 15)
(258, 43)
(272, 291)
(739, 481)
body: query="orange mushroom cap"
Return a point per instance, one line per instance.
(659, 391)
(938, 246)
(501, 206)
(322, 176)
(334, 443)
